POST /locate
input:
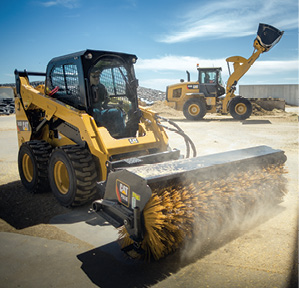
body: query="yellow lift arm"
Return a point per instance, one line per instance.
(241, 65)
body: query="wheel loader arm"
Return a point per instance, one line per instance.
(267, 37)
(241, 66)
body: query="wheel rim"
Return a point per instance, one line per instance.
(193, 109)
(240, 108)
(27, 167)
(61, 177)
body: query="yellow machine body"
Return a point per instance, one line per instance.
(100, 143)
(83, 123)
(196, 99)
(82, 135)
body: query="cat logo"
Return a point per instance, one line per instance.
(133, 141)
(192, 86)
(123, 192)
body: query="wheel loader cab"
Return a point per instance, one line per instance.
(210, 82)
(101, 83)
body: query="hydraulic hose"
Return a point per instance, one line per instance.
(179, 131)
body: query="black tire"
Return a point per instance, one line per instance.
(240, 108)
(33, 161)
(194, 109)
(72, 175)
(11, 108)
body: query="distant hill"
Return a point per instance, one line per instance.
(146, 95)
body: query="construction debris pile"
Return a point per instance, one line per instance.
(149, 96)
(184, 210)
(7, 105)
(257, 110)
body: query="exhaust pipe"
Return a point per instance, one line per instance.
(188, 76)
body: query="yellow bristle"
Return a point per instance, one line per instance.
(170, 213)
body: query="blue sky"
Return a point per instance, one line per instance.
(168, 36)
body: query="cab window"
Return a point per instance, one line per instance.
(208, 77)
(111, 99)
(66, 78)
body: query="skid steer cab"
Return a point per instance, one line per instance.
(208, 94)
(83, 123)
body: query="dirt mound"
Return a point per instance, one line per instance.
(277, 114)
(166, 111)
(257, 110)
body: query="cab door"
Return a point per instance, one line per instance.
(208, 82)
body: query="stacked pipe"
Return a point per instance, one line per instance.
(184, 209)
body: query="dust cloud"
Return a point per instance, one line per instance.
(230, 206)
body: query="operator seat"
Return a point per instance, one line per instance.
(207, 78)
(112, 118)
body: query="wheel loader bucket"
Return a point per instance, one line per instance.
(157, 203)
(268, 36)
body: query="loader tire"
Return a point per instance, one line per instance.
(240, 108)
(33, 161)
(194, 109)
(72, 175)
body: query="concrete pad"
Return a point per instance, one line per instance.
(292, 109)
(28, 261)
(86, 226)
(263, 256)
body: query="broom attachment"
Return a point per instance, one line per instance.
(166, 204)
(176, 214)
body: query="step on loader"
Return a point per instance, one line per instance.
(82, 135)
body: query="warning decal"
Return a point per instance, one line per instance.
(23, 125)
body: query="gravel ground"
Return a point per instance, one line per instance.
(268, 248)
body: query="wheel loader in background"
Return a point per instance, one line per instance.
(83, 136)
(208, 94)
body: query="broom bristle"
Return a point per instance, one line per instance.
(170, 213)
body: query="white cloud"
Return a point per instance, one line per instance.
(159, 84)
(274, 67)
(9, 75)
(232, 18)
(65, 3)
(171, 68)
(177, 63)
(181, 63)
